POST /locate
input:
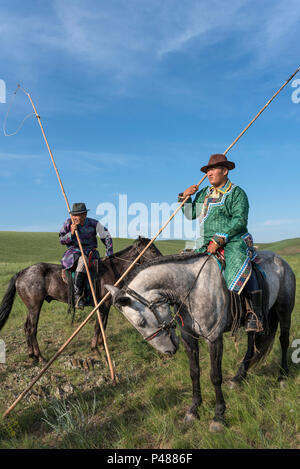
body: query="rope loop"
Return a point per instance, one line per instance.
(8, 111)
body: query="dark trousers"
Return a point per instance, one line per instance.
(252, 284)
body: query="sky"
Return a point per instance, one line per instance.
(134, 97)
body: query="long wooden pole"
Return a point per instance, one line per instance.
(84, 322)
(131, 266)
(77, 236)
(254, 119)
(262, 110)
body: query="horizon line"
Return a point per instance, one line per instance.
(160, 240)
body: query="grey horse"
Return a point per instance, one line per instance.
(194, 284)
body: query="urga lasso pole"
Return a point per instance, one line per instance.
(76, 233)
(20, 397)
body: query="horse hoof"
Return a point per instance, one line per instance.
(96, 353)
(189, 418)
(35, 360)
(232, 384)
(282, 382)
(216, 427)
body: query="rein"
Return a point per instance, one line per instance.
(126, 260)
(187, 295)
(114, 256)
(163, 325)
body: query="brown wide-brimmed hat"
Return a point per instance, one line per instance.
(218, 160)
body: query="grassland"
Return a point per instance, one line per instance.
(75, 404)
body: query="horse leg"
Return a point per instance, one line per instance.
(284, 307)
(31, 332)
(242, 371)
(97, 340)
(28, 337)
(283, 313)
(284, 338)
(216, 352)
(192, 349)
(284, 341)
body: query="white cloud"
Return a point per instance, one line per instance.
(275, 229)
(4, 156)
(279, 222)
(130, 37)
(91, 160)
(126, 48)
(35, 228)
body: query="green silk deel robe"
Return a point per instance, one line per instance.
(223, 218)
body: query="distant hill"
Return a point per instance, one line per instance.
(35, 247)
(284, 247)
(16, 246)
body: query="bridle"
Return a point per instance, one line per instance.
(162, 325)
(127, 260)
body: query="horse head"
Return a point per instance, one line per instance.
(154, 323)
(141, 242)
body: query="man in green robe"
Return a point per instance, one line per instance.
(222, 210)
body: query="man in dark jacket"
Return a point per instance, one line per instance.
(88, 229)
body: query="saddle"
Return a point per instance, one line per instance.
(68, 278)
(240, 306)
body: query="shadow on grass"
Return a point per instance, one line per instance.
(106, 430)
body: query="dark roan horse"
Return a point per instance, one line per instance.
(43, 281)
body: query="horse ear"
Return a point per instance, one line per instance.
(112, 289)
(121, 300)
(119, 297)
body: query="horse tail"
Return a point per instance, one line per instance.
(7, 301)
(264, 342)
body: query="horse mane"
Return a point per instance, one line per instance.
(136, 242)
(162, 260)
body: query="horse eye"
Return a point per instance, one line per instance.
(123, 301)
(142, 322)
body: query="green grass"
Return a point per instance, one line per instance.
(79, 408)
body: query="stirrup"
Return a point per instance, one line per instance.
(79, 303)
(253, 323)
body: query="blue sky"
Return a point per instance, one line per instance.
(136, 95)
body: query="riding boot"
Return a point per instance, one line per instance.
(79, 281)
(254, 319)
